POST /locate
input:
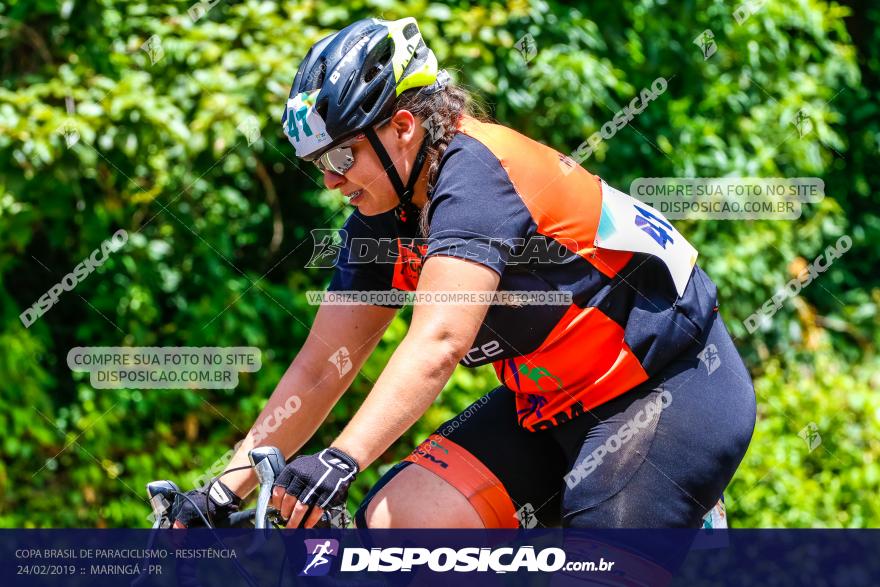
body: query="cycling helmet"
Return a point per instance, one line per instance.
(348, 84)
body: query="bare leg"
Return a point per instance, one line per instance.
(417, 498)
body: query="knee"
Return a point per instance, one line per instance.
(416, 498)
(374, 512)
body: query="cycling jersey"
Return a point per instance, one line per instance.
(537, 219)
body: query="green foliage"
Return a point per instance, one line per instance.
(219, 228)
(781, 481)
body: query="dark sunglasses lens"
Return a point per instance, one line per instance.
(340, 160)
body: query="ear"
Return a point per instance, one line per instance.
(404, 125)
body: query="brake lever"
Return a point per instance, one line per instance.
(268, 462)
(161, 494)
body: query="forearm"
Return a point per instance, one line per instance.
(406, 389)
(303, 397)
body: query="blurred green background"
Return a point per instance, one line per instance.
(220, 225)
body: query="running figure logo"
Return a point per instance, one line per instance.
(526, 516)
(320, 556)
(709, 357)
(342, 360)
(327, 245)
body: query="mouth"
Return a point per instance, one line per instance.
(353, 196)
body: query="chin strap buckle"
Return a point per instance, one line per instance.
(405, 212)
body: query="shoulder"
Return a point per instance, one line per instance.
(468, 159)
(471, 173)
(475, 211)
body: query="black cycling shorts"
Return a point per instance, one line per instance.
(657, 456)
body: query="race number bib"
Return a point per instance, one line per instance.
(303, 126)
(629, 225)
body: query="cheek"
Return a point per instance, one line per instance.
(362, 173)
(365, 168)
(370, 175)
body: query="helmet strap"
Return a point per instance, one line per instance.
(404, 193)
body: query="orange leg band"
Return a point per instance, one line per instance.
(458, 467)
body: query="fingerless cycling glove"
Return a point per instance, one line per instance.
(321, 479)
(215, 505)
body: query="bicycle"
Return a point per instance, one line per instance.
(268, 463)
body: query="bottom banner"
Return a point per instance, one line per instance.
(202, 557)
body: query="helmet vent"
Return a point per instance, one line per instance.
(344, 93)
(410, 30)
(372, 72)
(378, 59)
(370, 101)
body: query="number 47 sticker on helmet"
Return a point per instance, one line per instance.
(629, 225)
(303, 125)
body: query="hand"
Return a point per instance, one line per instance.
(310, 484)
(216, 506)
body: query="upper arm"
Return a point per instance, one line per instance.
(455, 325)
(476, 219)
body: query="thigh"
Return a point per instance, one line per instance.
(661, 454)
(414, 497)
(503, 472)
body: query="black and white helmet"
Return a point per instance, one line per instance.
(349, 81)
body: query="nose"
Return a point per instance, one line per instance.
(333, 180)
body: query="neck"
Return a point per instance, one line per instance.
(420, 191)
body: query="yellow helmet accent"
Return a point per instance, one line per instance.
(404, 48)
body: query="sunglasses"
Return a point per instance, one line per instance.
(340, 159)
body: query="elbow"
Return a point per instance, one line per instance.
(443, 347)
(324, 377)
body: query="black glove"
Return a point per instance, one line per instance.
(321, 479)
(216, 506)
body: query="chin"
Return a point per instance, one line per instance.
(366, 209)
(371, 208)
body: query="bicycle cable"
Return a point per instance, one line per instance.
(247, 576)
(217, 478)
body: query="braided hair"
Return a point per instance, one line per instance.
(439, 113)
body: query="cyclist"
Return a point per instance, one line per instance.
(623, 403)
